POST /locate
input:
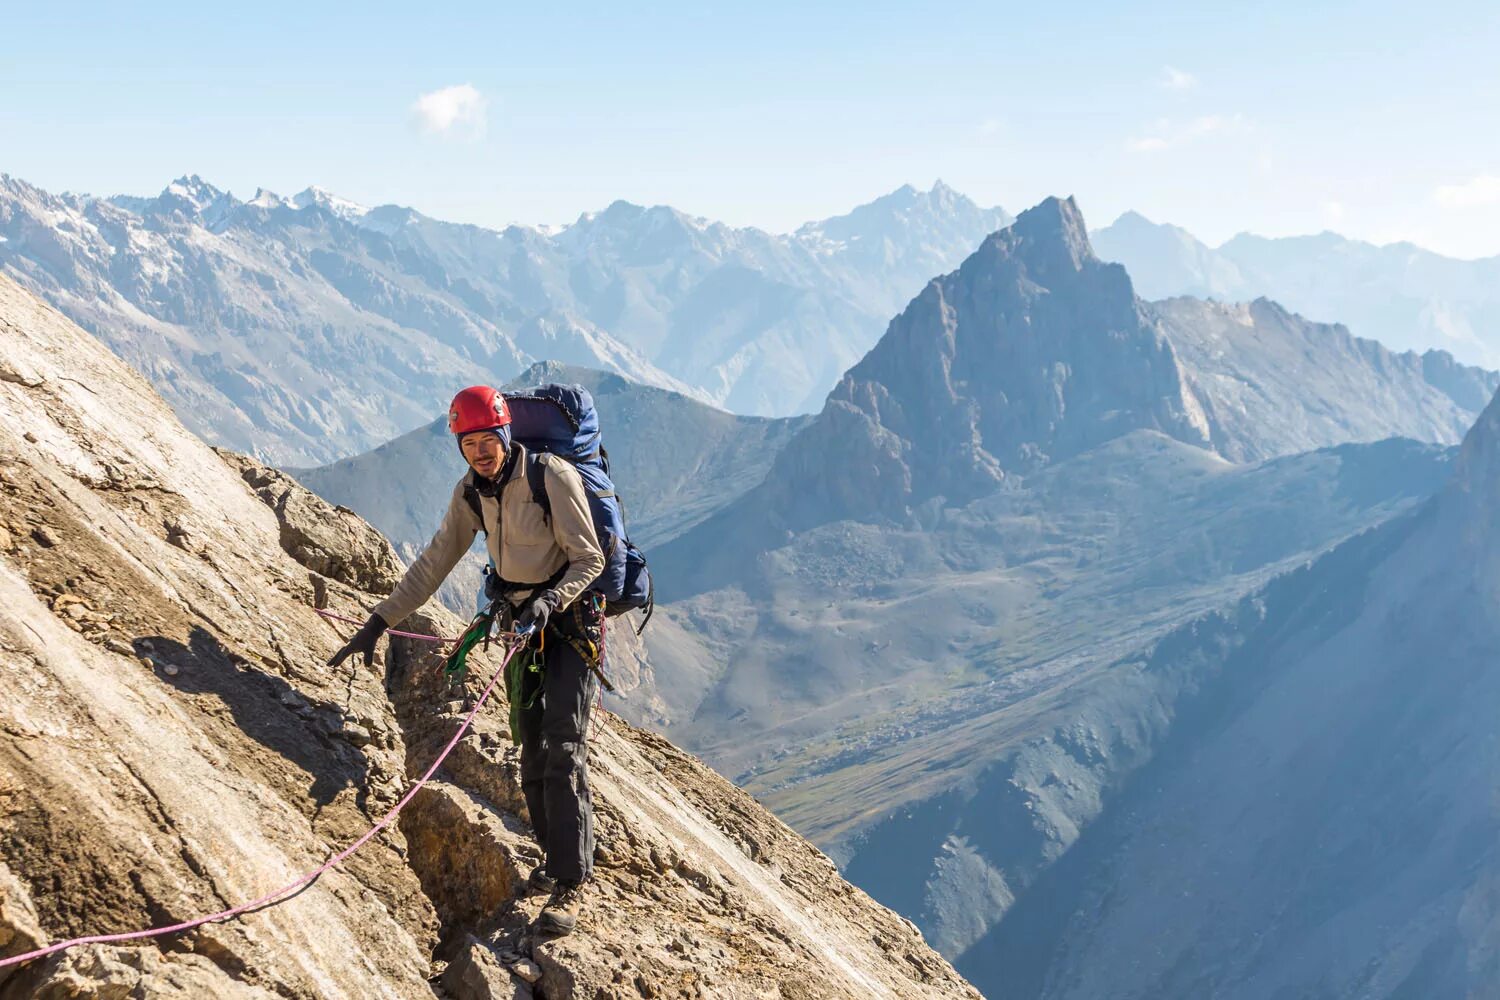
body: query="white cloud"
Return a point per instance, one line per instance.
(989, 126)
(1149, 144)
(1481, 190)
(459, 110)
(1166, 134)
(1333, 212)
(1175, 79)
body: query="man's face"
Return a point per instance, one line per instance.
(482, 451)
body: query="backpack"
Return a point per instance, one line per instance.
(561, 420)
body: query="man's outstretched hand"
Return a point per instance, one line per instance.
(363, 642)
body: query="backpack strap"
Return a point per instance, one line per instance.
(650, 606)
(471, 497)
(536, 478)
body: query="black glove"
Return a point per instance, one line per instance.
(362, 642)
(538, 611)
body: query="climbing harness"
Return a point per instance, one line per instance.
(517, 640)
(528, 667)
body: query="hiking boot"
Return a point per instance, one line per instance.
(539, 883)
(560, 915)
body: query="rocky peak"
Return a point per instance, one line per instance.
(906, 206)
(641, 235)
(1053, 242)
(1031, 351)
(192, 189)
(1131, 219)
(316, 197)
(195, 200)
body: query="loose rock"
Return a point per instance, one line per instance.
(526, 969)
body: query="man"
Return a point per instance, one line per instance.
(544, 564)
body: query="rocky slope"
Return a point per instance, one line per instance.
(1272, 383)
(307, 329)
(902, 639)
(174, 745)
(1322, 820)
(1401, 295)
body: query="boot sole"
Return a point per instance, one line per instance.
(551, 925)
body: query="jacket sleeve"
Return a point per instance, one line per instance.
(431, 568)
(573, 528)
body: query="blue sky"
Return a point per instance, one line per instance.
(1378, 120)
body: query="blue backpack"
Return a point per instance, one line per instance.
(561, 420)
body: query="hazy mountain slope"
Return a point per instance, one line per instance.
(175, 743)
(310, 328)
(281, 331)
(1401, 295)
(901, 633)
(1322, 820)
(1165, 261)
(1271, 383)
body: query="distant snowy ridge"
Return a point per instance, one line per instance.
(305, 328)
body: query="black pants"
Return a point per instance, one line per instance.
(554, 760)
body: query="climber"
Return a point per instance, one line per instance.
(552, 557)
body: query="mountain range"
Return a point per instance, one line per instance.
(902, 639)
(1070, 616)
(896, 626)
(309, 328)
(1404, 296)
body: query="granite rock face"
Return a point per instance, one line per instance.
(331, 541)
(175, 745)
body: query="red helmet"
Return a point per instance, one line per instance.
(477, 408)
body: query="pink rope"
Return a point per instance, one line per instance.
(305, 879)
(405, 635)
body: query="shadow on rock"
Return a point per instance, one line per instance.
(265, 708)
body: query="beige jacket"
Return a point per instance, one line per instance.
(524, 547)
